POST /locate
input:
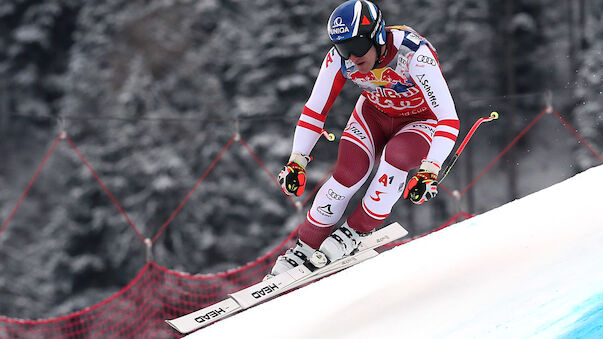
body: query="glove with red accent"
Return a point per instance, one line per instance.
(423, 185)
(293, 176)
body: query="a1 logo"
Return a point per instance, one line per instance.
(385, 180)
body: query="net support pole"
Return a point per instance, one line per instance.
(457, 199)
(237, 134)
(549, 101)
(62, 128)
(149, 249)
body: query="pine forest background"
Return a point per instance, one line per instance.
(151, 91)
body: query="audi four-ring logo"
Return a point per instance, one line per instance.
(426, 60)
(334, 195)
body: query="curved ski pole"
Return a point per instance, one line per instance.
(493, 116)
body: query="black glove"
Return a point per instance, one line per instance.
(423, 185)
(293, 176)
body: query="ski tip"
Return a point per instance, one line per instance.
(178, 329)
(403, 231)
(169, 322)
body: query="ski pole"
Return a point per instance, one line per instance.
(493, 116)
(327, 135)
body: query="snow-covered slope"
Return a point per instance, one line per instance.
(531, 268)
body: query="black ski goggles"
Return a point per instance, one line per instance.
(358, 46)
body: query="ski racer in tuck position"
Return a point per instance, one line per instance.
(405, 118)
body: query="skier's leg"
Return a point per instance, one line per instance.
(333, 197)
(361, 140)
(402, 153)
(354, 164)
(328, 207)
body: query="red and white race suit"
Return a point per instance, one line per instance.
(405, 114)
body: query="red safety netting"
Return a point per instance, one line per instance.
(157, 293)
(139, 310)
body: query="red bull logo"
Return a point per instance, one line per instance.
(381, 77)
(390, 75)
(370, 76)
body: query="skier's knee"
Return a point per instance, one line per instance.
(405, 151)
(402, 159)
(351, 168)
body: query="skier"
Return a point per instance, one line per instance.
(405, 118)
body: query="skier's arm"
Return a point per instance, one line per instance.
(311, 121)
(328, 84)
(426, 73)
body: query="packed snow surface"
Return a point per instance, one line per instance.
(531, 268)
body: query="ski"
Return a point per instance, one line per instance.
(284, 282)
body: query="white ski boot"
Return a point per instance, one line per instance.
(292, 258)
(343, 241)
